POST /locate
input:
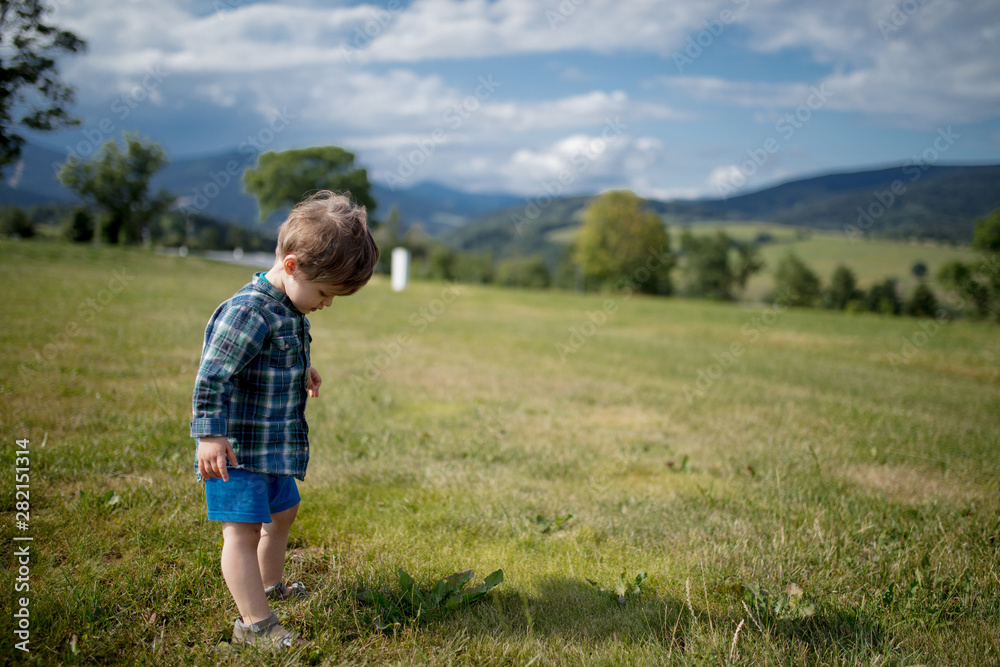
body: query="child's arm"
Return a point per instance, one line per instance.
(235, 336)
(212, 456)
(314, 382)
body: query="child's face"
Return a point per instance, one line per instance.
(306, 295)
(309, 296)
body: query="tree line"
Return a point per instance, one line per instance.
(619, 238)
(619, 243)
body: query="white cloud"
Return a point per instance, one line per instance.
(924, 62)
(578, 163)
(367, 78)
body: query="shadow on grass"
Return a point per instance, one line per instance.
(845, 631)
(573, 610)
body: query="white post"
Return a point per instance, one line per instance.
(400, 268)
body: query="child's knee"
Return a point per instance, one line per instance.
(237, 533)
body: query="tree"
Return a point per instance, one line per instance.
(116, 181)
(967, 284)
(919, 270)
(283, 179)
(441, 263)
(31, 94)
(843, 289)
(528, 272)
(622, 244)
(16, 222)
(748, 262)
(473, 267)
(986, 236)
(79, 228)
(883, 298)
(795, 283)
(922, 303)
(707, 270)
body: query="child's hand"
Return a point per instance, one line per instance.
(314, 382)
(212, 455)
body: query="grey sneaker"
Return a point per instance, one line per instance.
(282, 592)
(266, 634)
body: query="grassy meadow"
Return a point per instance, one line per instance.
(801, 487)
(871, 259)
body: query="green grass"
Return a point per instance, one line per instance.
(871, 259)
(810, 460)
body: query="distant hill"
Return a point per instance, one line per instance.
(939, 202)
(206, 184)
(929, 201)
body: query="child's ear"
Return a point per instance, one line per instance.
(290, 263)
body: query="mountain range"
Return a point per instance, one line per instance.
(206, 184)
(923, 200)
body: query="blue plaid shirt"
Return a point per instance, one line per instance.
(252, 381)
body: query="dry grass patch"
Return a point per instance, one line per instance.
(904, 484)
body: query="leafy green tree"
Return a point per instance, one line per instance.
(883, 298)
(986, 236)
(843, 289)
(474, 267)
(979, 283)
(441, 263)
(171, 229)
(795, 283)
(79, 227)
(919, 270)
(707, 269)
(528, 272)
(31, 94)
(922, 302)
(748, 262)
(116, 181)
(283, 179)
(621, 243)
(15, 221)
(967, 284)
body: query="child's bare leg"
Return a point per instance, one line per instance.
(273, 544)
(241, 571)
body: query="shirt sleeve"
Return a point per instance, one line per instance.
(234, 337)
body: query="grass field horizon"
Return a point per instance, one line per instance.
(871, 258)
(800, 486)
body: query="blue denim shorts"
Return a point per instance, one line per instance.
(249, 497)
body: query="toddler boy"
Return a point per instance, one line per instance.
(250, 395)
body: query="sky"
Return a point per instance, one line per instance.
(668, 99)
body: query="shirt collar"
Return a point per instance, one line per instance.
(262, 284)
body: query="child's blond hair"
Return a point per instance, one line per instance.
(328, 234)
